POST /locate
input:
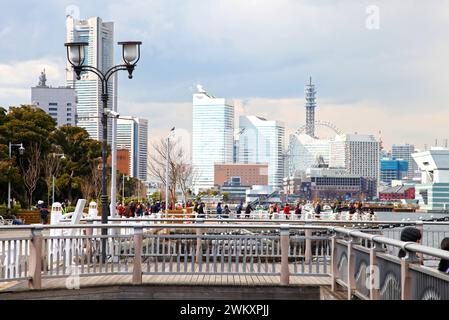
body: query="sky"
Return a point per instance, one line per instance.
(379, 66)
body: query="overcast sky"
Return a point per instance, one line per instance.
(389, 75)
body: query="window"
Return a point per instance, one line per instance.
(69, 104)
(53, 114)
(69, 109)
(69, 119)
(69, 114)
(52, 109)
(53, 104)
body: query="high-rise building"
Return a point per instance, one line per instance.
(58, 102)
(310, 92)
(404, 151)
(393, 169)
(358, 153)
(262, 141)
(132, 134)
(100, 54)
(212, 136)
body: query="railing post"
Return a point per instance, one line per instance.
(137, 269)
(308, 250)
(420, 227)
(35, 266)
(406, 280)
(351, 268)
(373, 273)
(334, 262)
(285, 241)
(199, 250)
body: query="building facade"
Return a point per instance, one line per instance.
(262, 141)
(249, 174)
(100, 54)
(433, 191)
(357, 153)
(393, 169)
(405, 151)
(132, 135)
(212, 136)
(397, 193)
(58, 102)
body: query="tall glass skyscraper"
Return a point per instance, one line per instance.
(100, 54)
(132, 134)
(262, 141)
(212, 136)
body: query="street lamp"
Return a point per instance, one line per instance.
(167, 169)
(53, 177)
(21, 151)
(76, 57)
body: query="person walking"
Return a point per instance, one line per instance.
(298, 211)
(201, 210)
(318, 209)
(443, 266)
(409, 234)
(239, 209)
(227, 212)
(44, 214)
(270, 211)
(287, 211)
(248, 210)
(219, 210)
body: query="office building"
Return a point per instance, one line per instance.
(393, 169)
(58, 102)
(212, 136)
(262, 141)
(244, 174)
(132, 135)
(433, 191)
(99, 54)
(404, 151)
(357, 153)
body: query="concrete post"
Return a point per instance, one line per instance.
(89, 233)
(137, 269)
(308, 250)
(35, 265)
(351, 269)
(285, 240)
(374, 275)
(334, 262)
(199, 250)
(406, 281)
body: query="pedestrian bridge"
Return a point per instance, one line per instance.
(271, 259)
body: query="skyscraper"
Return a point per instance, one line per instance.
(358, 153)
(212, 136)
(132, 134)
(100, 54)
(310, 108)
(404, 151)
(262, 141)
(58, 102)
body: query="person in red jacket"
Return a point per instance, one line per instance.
(287, 211)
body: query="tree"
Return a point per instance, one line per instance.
(50, 168)
(31, 171)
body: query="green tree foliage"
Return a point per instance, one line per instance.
(33, 126)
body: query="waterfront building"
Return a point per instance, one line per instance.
(247, 174)
(393, 169)
(58, 102)
(132, 135)
(397, 193)
(262, 141)
(212, 136)
(123, 161)
(404, 151)
(357, 153)
(433, 191)
(100, 54)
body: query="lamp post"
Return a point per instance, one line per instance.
(53, 177)
(76, 57)
(21, 151)
(167, 169)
